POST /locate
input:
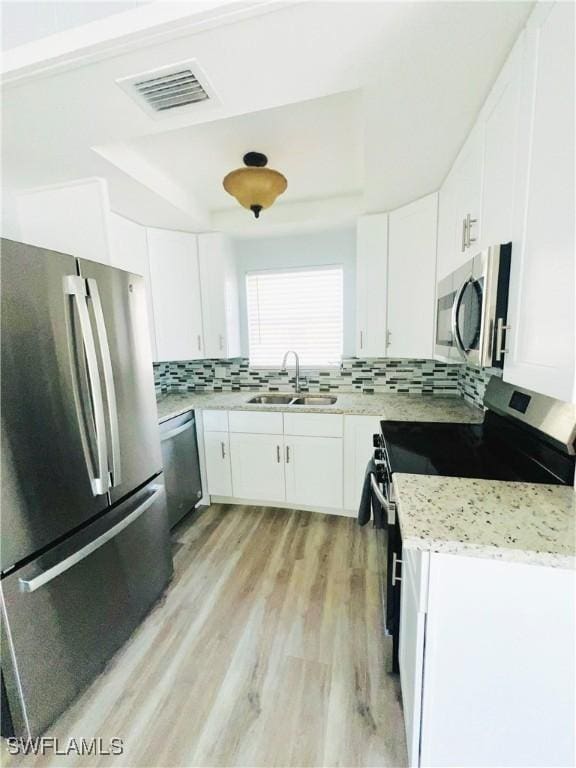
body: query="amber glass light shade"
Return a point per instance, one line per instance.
(255, 188)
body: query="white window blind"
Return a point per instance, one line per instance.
(299, 309)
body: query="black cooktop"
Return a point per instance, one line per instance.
(494, 450)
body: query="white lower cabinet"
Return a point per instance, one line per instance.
(411, 647)
(218, 468)
(487, 661)
(257, 466)
(314, 471)
(294, 459)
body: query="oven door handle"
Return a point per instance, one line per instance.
(389, 506)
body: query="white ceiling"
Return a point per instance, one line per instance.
(363, 106)
(316, 144)
(24, 22)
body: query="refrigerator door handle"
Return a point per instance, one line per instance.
(100, 481)
(94, 295)
(45, 577)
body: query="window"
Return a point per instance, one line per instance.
(299, 309)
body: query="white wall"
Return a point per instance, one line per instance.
(10, 224)
(336, 246)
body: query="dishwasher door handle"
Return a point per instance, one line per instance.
(176, 431)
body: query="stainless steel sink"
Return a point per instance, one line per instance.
(292, 400)
(314, 400)
(272, 399)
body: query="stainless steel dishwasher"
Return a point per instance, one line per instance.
(181, 465)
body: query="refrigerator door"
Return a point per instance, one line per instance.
(66, 613)
(53, 453)
(120, 320)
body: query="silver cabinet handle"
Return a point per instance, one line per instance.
(287, 454)
(464, 234)
(469, 222)
(361, 340)
(94, 294)
(31, 585)
(221, 342)
(278, 454)
(500, 348)
(176, 431)
(395, 561)
(199, 340)
(388, 338)
(223, 449)
(75, 286)
(389, 506)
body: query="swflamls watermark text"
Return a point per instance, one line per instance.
(49, 745)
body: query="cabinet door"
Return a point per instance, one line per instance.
(411, 645)
(218, 468)
(129, 251)
(468, 175)
(358, 450)
(314, 469)
(371, 282)
(542, 294)
(412, 278)
(175, 284)
(449, 257)
(257, 466)
(500, 122)
(219, 296)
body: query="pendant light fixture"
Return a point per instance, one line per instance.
(255, 186)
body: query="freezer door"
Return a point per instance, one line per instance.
(119, 316)
(67, 612)
(52, 453)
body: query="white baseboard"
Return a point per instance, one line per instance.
(281, 505)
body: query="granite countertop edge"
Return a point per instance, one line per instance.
(395, 406)
(540, 517)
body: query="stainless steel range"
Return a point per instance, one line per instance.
(525, 437)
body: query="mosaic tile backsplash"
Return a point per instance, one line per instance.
(428, 377)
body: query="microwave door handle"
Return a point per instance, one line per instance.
(75, 287)
(454, 322)
(94, 294)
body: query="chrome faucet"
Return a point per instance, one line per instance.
(297, 368)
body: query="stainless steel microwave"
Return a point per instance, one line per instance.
(471, 310)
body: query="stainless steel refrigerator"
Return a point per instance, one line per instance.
(85, 549)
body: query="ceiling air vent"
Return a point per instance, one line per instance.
(161, 91)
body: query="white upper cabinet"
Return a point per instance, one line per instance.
(411, 279)
(72, 218)
(176, 294)
(500, 124)
(515, 176)
(371, 282)
(541, 342)
(460, 207)
(468, 176)
(129, 251)
(218, 279)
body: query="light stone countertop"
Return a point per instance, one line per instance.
(394, 407)
(521, 522)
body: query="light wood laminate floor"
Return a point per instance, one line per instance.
(267, 650)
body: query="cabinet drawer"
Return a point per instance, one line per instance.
(253, 422)
(215, 421)
(314, 424)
